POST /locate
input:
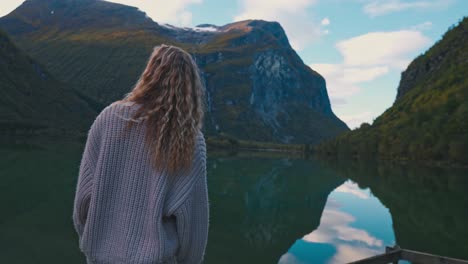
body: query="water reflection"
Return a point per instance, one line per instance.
(429, 206)
(344, 229)
(260, 206)
(36, 194)
(263, 210)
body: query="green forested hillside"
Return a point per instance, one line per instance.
(31, 99)
(258, 88)
(429, 119)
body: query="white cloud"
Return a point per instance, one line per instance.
(334, 77)
(382, 48)
(347, 253)
(289, 258)
(335, 226)
(366, 58)
(325, 21)
(7, 6)
(338, 227)
(343, 80)
(355, 120)
(381, 7)
(423, 26)
(359, 75)
(293, 15)
(353, 189)
(351, 243)
(173, 12)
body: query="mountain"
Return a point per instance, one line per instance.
(32, 99)
(258, 88)
(429, 119)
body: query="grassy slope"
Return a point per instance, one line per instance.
(100, 51)
(31, 98)
(428, 121)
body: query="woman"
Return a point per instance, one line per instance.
(141, 195)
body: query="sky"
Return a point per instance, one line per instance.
(359, 46)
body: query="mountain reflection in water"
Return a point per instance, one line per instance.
(429, 206)
(427, 211)
(263, 210)
(261, 206)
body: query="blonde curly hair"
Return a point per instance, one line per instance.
(172, 97)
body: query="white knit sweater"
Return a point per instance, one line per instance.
(125, 212)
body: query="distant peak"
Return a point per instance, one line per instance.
(256, 26)
(62, 2)
(76, 14)
(241, 25)
(271, 26)
(206, 25)
(250, 24)
(207, 28)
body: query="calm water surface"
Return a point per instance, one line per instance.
(263, 210)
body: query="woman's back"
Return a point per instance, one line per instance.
(128, 212)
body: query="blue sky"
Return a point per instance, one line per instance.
(359, 46)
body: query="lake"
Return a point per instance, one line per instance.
(263, 209)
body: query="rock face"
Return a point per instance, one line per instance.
(258, 88)
(32, 99)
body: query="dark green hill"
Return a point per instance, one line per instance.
(258, 87)
(429, 119)
(32, 99)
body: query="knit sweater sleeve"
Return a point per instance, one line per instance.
(192, 216)
(85, 176)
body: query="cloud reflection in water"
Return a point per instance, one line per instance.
(346, 226)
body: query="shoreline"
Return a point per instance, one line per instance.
(235, 147)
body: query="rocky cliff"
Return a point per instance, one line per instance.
(258, 88)
(32, 99)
